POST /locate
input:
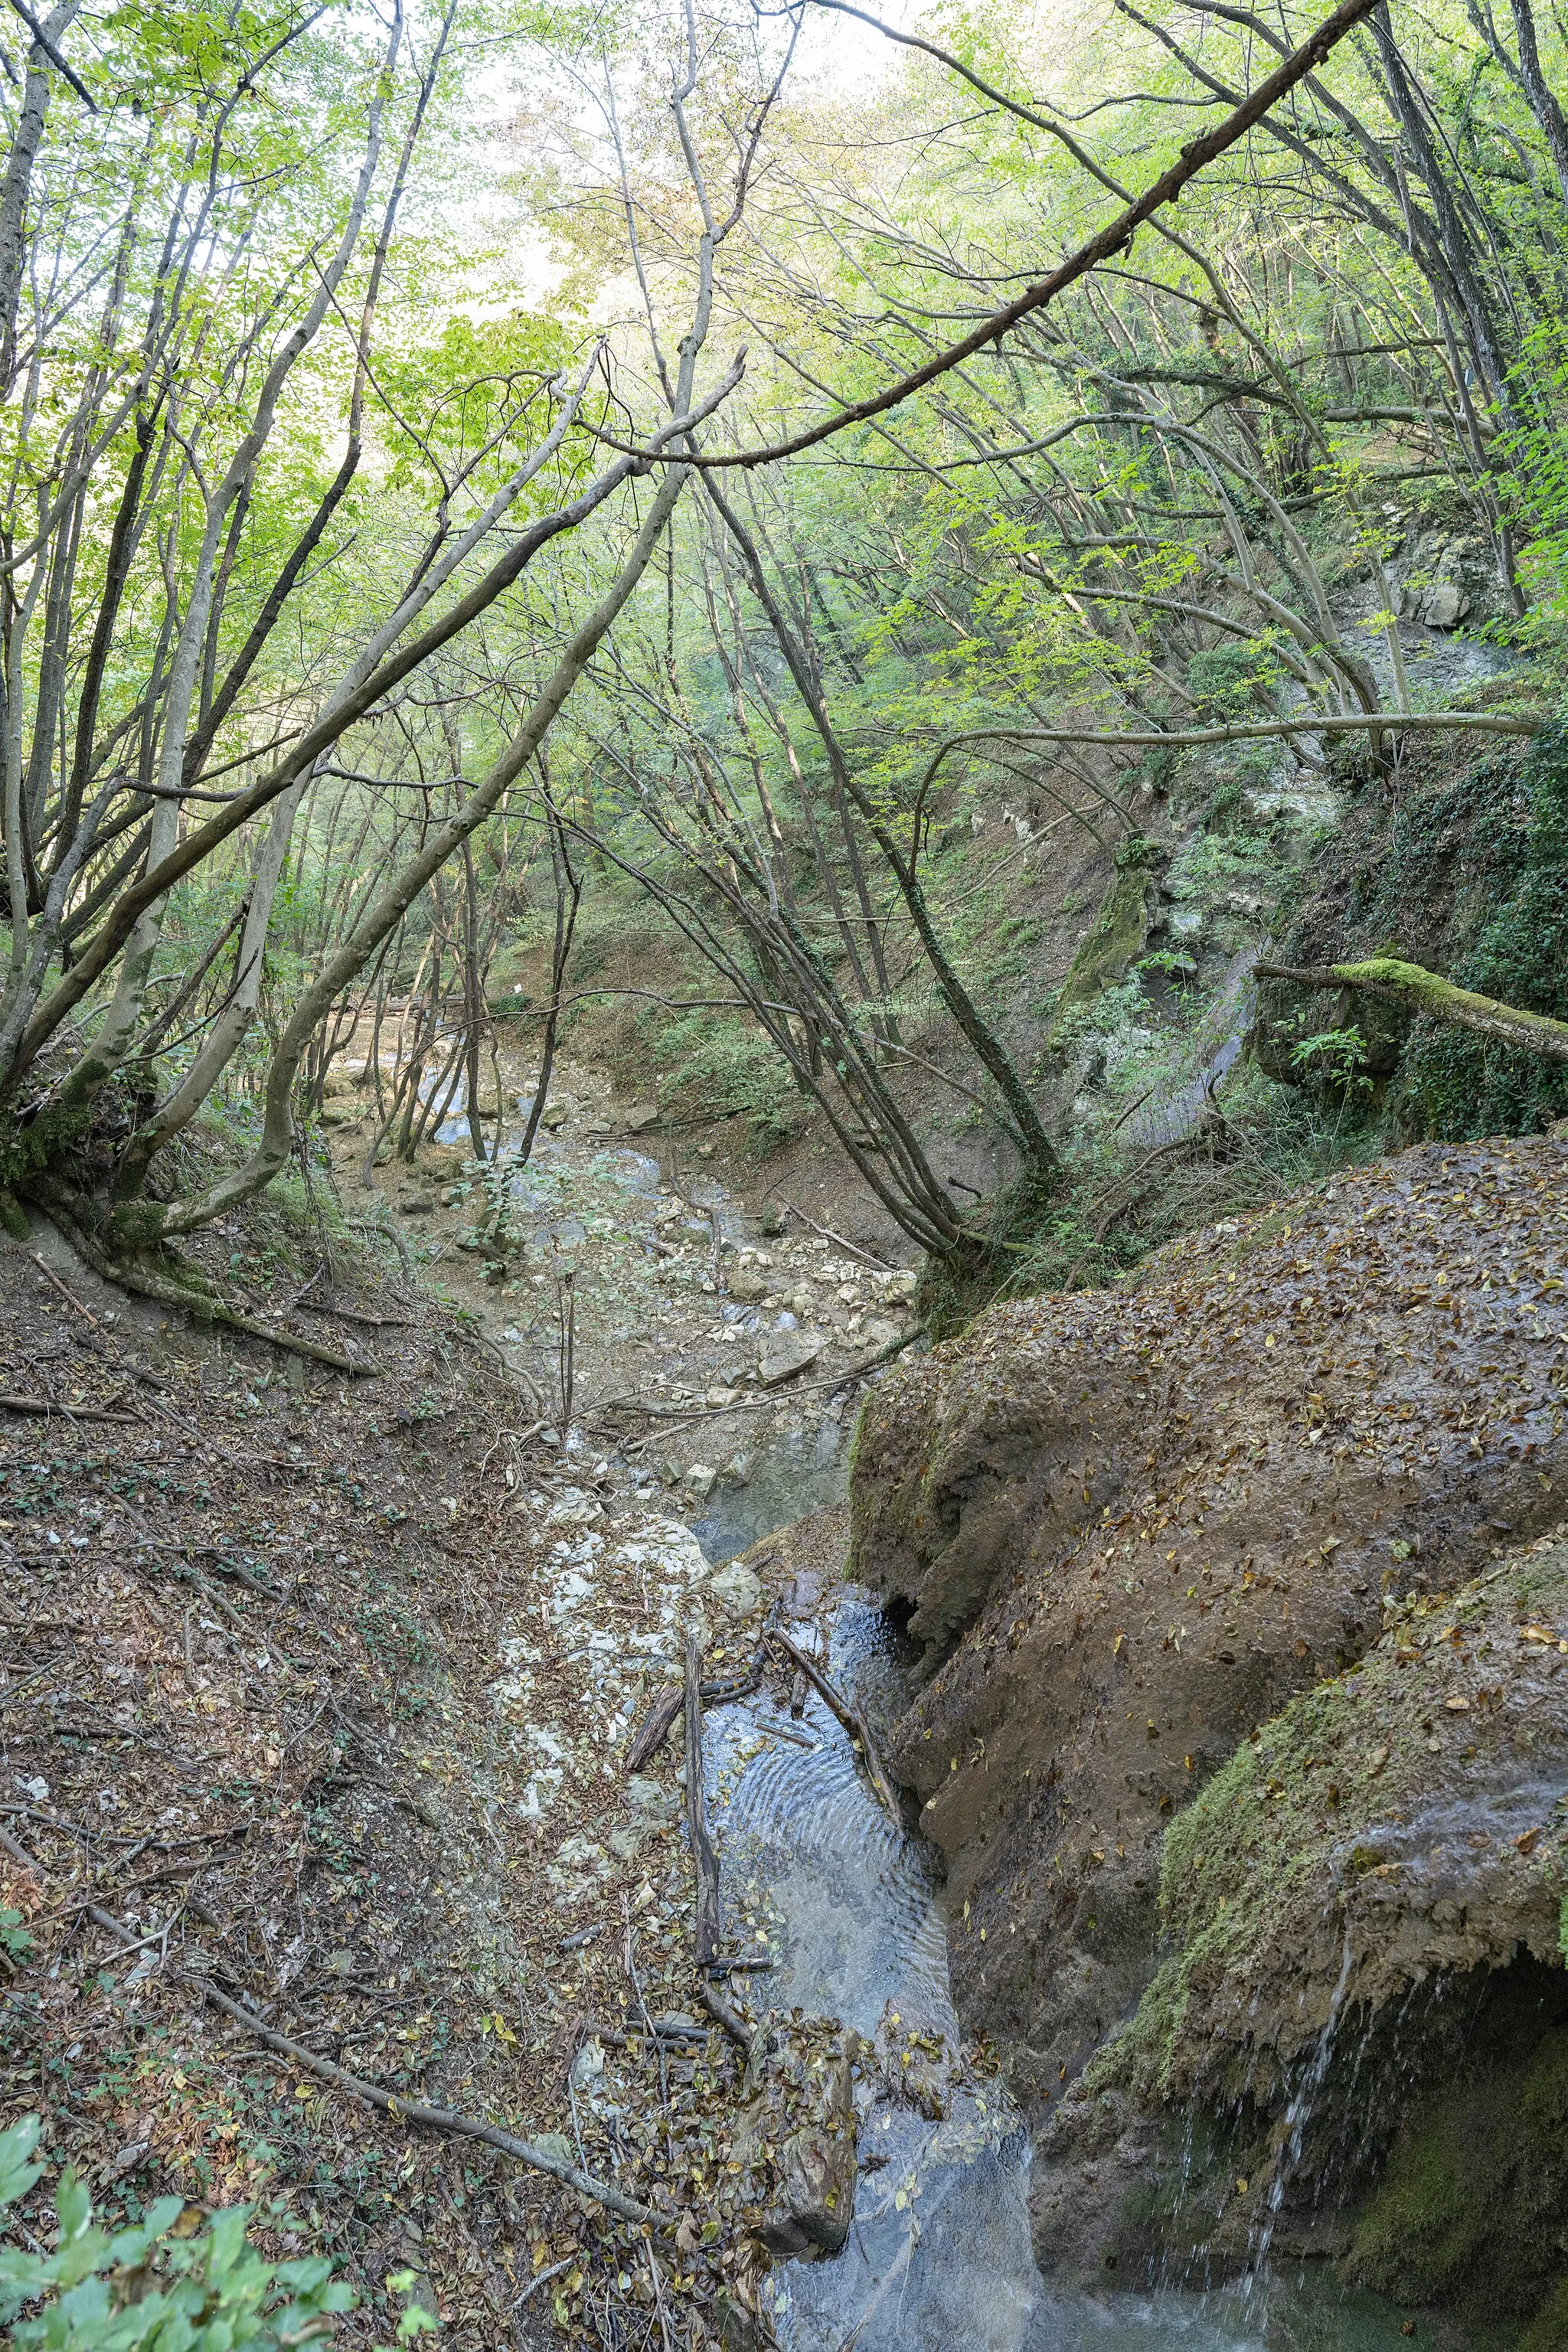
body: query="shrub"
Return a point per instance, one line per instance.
(156, 2288)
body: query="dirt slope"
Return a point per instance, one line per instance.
(1129, 1525)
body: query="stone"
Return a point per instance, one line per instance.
(574, 1510)
(717, 1398)
(639, 1117)
(554, 1115)
(737, 1589)
(737, 1471)
(588, 2065)
(699, 1481)
(810, 2215)
(877, 1332)
(748, 1288)
(1444, 605)
(782, 1354)
(417, 1205)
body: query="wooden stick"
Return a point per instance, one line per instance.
(661, 1715)
(410, 2111)
(68, 1295)
(655, 1731)
(704, 1860)
(848, 1715)
(68, 1412)
(734, 2024)
(402, 2110)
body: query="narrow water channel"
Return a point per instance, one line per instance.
(939, 2256)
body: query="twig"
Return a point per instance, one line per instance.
(542, 2278)
(848, 1715)
(71, 1413)
(413, 2111)
(829, 1236)
(682, 1416)
(68, 1295)
(356, 1315)
(704, 1860)
(714, 2002)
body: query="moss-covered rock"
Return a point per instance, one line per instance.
(1358, 2046)
(1396, 1822)
(1114, 942)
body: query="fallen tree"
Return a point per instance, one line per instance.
(1428, 992)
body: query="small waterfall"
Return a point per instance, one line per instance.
(1298, 2115)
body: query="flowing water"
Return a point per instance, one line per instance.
(851, 1910)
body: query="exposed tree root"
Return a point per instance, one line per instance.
(194, 1296)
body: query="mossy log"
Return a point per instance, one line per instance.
(1411, 983)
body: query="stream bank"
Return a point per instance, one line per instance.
(1128, 1531)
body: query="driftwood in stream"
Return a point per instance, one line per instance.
(848, 1715)
(655, 1727)
(655, 1731)
(703, 1859)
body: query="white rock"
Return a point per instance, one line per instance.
(700, 1480)
(780, 1354)
(737, 1589)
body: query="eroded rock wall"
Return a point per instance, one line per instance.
(1131, 1526)
(1357, 2043)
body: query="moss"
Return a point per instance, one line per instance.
(1115, 941)
(27, 1152)
(1548, 2331)
(1456, 1085)
(1280, 1828)
(1422, 2230)
(1464, 2212)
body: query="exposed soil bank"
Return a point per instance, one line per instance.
(1132, 1526)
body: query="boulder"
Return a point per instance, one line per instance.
(1364, 1996)
(814, 2201)
(639, 1117)
(782, 1354)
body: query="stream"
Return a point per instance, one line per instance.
(939, 2256)
(851, 1906)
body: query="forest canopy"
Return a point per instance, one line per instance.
(457, 454)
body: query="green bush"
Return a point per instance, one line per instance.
(150, 2288)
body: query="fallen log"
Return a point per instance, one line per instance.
(1428, 992)
(705, 1922)
(848, 1715)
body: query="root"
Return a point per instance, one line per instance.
(194, 1296)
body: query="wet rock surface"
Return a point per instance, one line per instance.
(1130, 1527)
(1359, 2044)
